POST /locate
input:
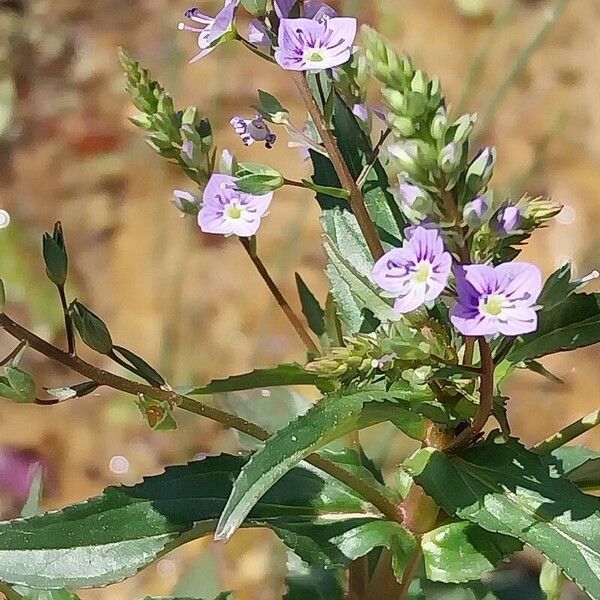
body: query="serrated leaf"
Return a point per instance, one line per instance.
(29, 594)
(507, 489)
(315, 315)
(286, 374)
(357, 151)
(311, 583)
(421, 589)
(362, 289)
(461, 551)
(329, 419)
(580, 465)
(573, 323)
(112, 536)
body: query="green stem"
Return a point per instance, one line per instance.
(486, 399)
(521, 62)
(362, 178)
(255, 50)
(279, 297)
(293, 183)
(106, 378)
(357, 202)
(568, 433)
(69, 331)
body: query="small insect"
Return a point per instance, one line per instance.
(253, 130)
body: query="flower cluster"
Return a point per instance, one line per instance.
(491, 300)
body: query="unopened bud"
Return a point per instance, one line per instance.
(509, 220)
(540, 210)
(450, 157)
(91, 328)
(475, 211)
(55, 255)
(186, 202)
(481, 169)
(439, 124)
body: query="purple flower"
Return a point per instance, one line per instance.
(228, 211)
(258, 34)
(283, 8)
(186, 202)
(498, 299)
(361, 111)
(509, 219)
(306, 45)
(214, 28)
(318, 10)
(313, 9)
(474, 211)
(416, 273)
(253, 130)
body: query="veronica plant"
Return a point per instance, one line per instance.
(430, 309)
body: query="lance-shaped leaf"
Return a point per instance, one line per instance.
(331, 418)
(311, 583)
(315, 315)
(461, 551)
(573, 323)
(112, 536)
(507, 489)
(580, 465)
(422, 589)
(287, 374)
(257, 179)
(357, 152)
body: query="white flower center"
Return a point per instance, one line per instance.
(234, 211)
(493, 305)
(422, 272)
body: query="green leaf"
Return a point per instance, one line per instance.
(286, 374)
(91, 328)
(140, 366)
(255, 7)
(17, 385)
(158, 414)
(311, 583)
(114, 535)
(551, 581)
(357, 151)
(507, 489)
(55, 255)
(558, 287)
(349, 271)
(580, 465)
(257, 179)
(29, 594)
(223, 596)
(34, 498)
(573, 323)
(329, 419)
(311, 308)
(270, 108)
(462, 551)
(334, 192)
(421, 589)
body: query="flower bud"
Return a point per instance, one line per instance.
(406, 153)
(413, 198)
(474, 212)
(540, 210)
(509, 220)
(439, 123)
(481, 169)
(419, 82)
(186, 202)
(91, 328)
(55, 256)
(450, 157)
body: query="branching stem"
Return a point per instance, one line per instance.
(106, 378)
(279, 297)
(357, 203)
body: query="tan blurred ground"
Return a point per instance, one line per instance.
(190, 303)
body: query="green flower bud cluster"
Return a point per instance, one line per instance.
(394, 352)
(413, 98)
(431, 150)
(183, 137)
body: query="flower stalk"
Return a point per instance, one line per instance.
(357, 203)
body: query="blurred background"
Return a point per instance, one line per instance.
(189, 303)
